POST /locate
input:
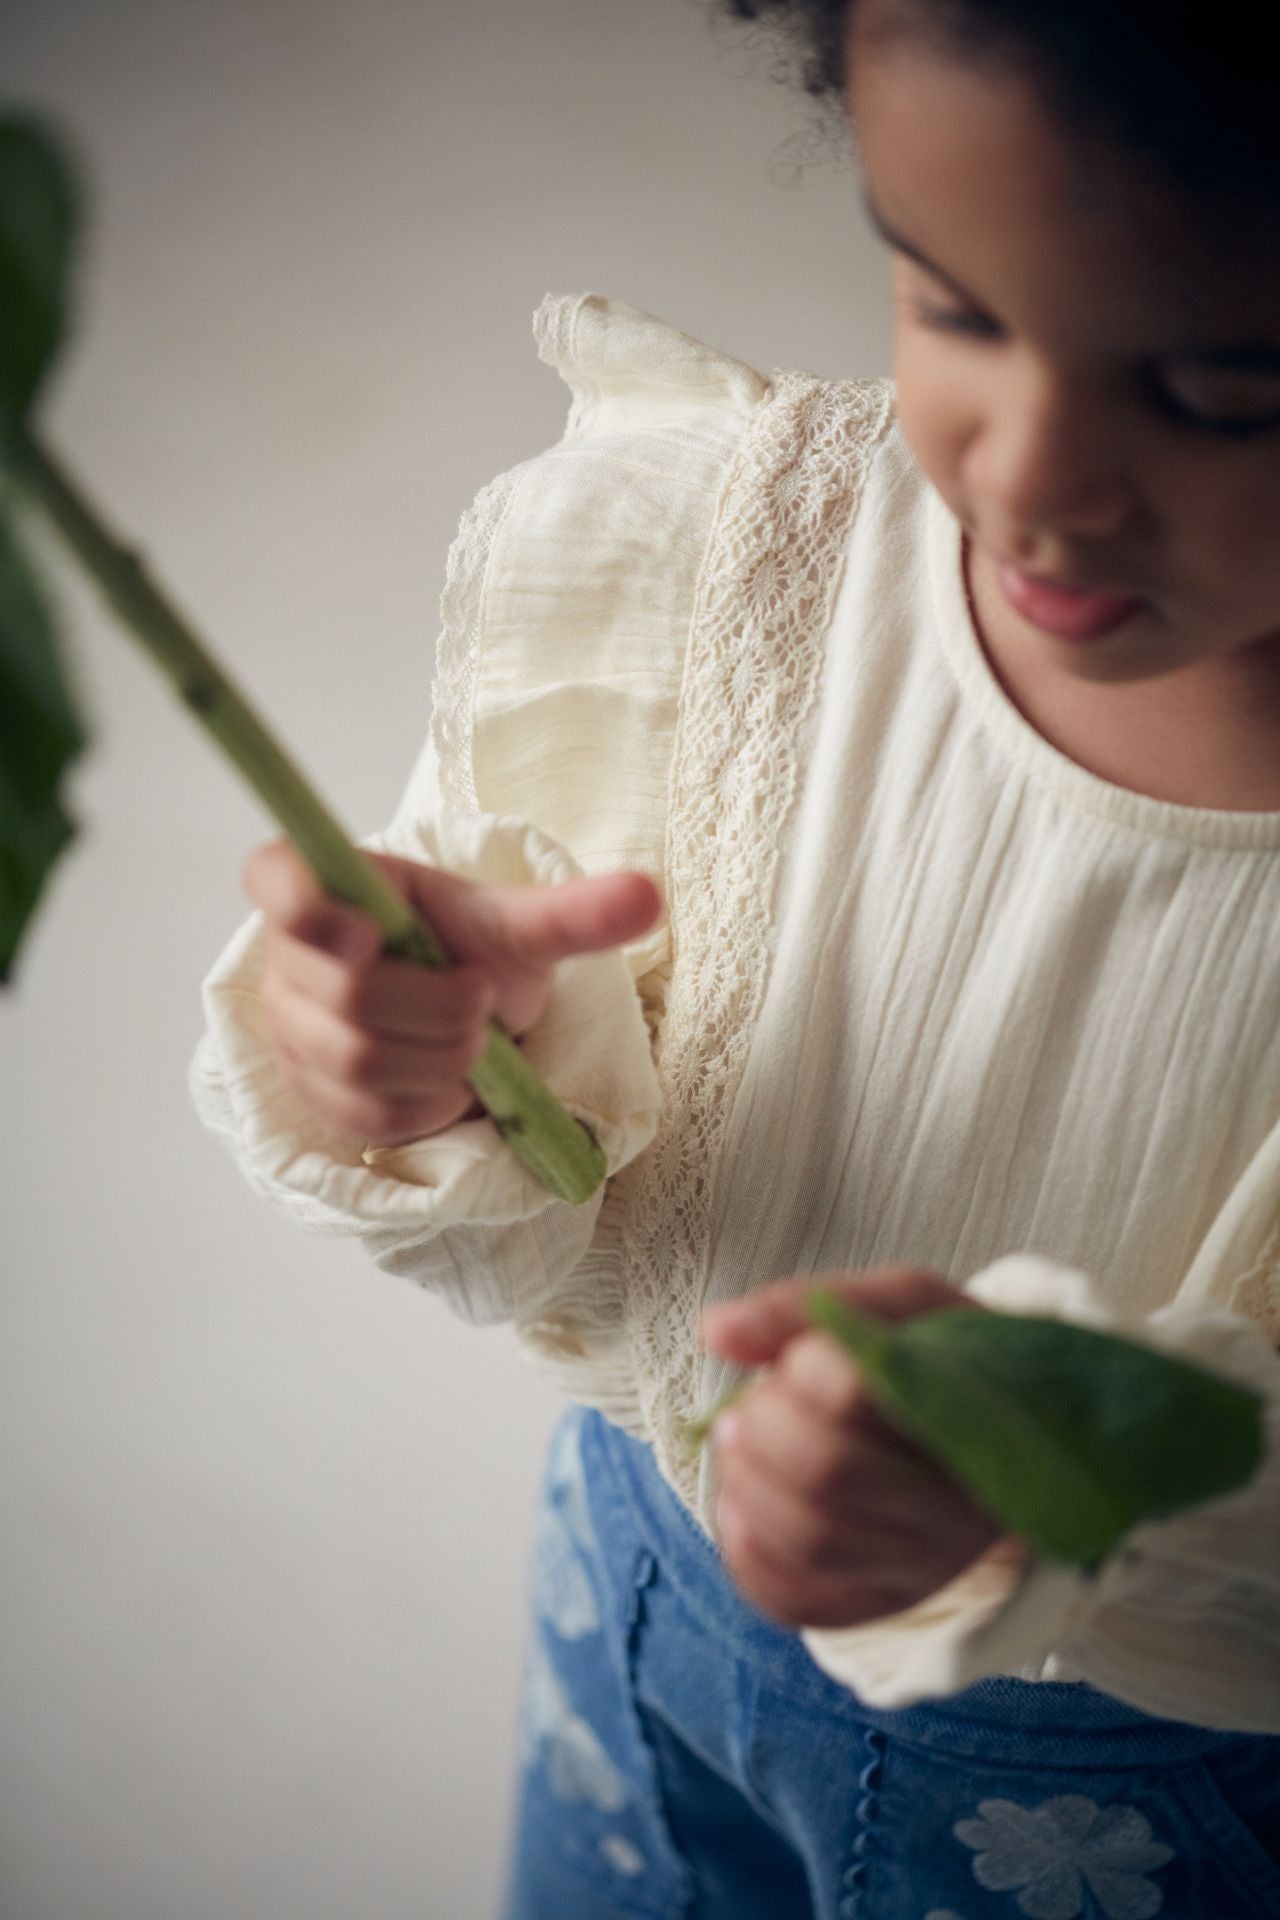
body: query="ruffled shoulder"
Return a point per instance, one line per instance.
(635, 624)
(570, 592)
(607, 351)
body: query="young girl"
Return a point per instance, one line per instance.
(945, 714)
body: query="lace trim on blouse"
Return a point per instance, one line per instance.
(763, 609)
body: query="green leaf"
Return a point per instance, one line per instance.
(38, 217)
(1068, 1435)
(39, 735)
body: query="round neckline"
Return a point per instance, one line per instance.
(1080, 789)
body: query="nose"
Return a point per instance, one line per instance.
(1047, 458)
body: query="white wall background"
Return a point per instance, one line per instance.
(265, 1510)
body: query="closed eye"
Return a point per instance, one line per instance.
(948, 322)
(1242, 427)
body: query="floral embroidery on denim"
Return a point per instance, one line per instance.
(1054, 1851)
(577, 1765)
(562, 1591)
(621, 1855)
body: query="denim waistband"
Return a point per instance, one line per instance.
(999, 1716)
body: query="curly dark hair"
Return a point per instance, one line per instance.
(1188, 90)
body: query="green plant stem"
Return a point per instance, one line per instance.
(696, 1431)
(859, 1334)
(558, 1150)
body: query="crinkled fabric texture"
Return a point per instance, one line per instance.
(1211, 1573)
(924, 990)
(590, 1044)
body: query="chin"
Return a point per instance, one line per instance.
(1128, 659)
(1093, 662)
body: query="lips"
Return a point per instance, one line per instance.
(1073, 613)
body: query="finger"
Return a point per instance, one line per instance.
(522, 928)
(754, 1329)
(799, 1597)
(357, 1058)
(815, 1372)
(539, 926)
(795, 1444)
(369, 1119)
(898, 1533)
(279, 881)
(796, 1531)
(398, 998)
(795, 1597)
(820, 1373)
(913, 1519)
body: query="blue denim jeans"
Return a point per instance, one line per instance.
(682, 1755)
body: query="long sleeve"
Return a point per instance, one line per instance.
(457, 1213)
(569, 594)
(1182, 1620)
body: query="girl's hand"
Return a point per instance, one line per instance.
(829, 1516)
(377, 1047)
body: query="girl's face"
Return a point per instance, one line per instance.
(1050, 368)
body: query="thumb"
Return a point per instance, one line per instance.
(536, 926)
(525, 928)
(754, 1330)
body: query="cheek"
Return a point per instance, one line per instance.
(936, 420)
(1220, 530)
(1207, 533)
(1207, 543)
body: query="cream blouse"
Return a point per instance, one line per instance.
(925, 989)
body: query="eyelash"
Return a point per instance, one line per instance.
(943, 320)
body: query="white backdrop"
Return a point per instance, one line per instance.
(264, 1510)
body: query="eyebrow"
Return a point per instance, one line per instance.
(1247, 356)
